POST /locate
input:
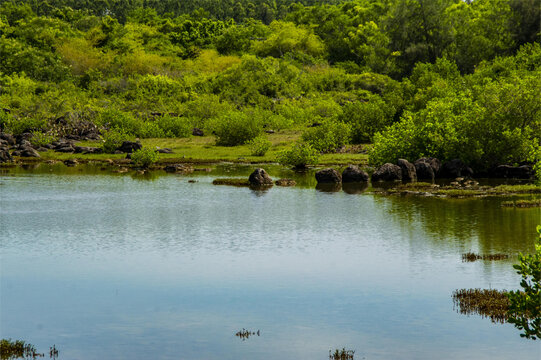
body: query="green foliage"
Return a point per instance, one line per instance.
(299, 156)
(328, 137)
(17, 126)
(236, 128)
(144, 157)
(367, 117)
(259, 145)
(119, 120)
(112, 140)
(40, 139)
(174, 126)
(525, 305)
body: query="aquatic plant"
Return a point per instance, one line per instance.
(490, 303)
(522, 203)
(525, 305)
(245, 334)
(17, 349)
(471, 257)
(144, 157)
(231, 182)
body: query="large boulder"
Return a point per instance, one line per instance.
(512, 172)
(424, 171)
(455, 168)
(8, 137)
(260, 178)
(328, 176)
(387, 172)
(353, 174)
(29, 152)
(5, 156)
(434, 163)
(129, 146)
(408, 170)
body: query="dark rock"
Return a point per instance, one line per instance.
(42, 149)
(328, 176)
(512, 172)
(260, 178)
(29, 152)
(22, 137)
(387, 172)
(71, 162)
(408, 170)
(4, 143)
(197, 132)
(65, 149)
(434, 163)
(8, 137)
(23, 144)
(424, 171)
(353, 174)
(179, 168)
(269, 131)
(165, 151)
(129, 146)
(48, 146)
(87, 150)
(5, 156)
(454, 168)
(73, 137)
(16, 153)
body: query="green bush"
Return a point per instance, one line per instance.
(112, 139)
(236, 128)
(367, 118)
(144, 157)
(259, 145)
(40, 139)
(328, 137)
(17, 126)
(121, 121)
(299, 156)
(173, 126)
(150, 129)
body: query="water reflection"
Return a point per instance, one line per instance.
(329, 187)
(354, 188)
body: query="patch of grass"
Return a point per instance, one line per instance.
(231, 182)
(522, 203)
(516, 189)
(471, 257)
(488, 303)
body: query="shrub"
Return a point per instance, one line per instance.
(328, 137)
(17, 126)
(259, 145)
(367, 118)
(299, 156)
(113, 139)
(40, 139)
(144, 157)
(150, 129)
(236, 128)
(121, 121)
(173, 126)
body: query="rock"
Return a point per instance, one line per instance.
(87, 150)
(424, 171)
(285, 182)
(454, 168)
(5, 156)
(23, 144)
(129, 146)
(197, 132)
(387, 172)
(8, 137)
(29, 152)
(23, 137)
(328, 176)
(434, 163)
(269, 131)
(65, 149)
(260, 178)
(408, 170)
(353, 174)
(512, 172)
(179, 168)
(71, 162)
(164, 151)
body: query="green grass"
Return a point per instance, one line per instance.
(203, 149)
(522, 203)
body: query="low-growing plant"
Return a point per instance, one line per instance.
(299, 156)
(328, 137)
(112, 139)
(259, 145)
(144, 157)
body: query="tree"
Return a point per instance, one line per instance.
(525, 305)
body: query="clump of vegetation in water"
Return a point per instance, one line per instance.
(17, 349)
(522, 203)
(144, 157)
(525, 305)
(471, 257)
(245, 334)
(341, 354)
(231, 182)
(490, 303)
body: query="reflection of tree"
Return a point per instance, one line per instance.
(468, 224)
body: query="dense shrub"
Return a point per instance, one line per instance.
(299, 156)
(121, 121)
(327, 137)
(366, 118)
(174, 126)
(112, 140)
(144, 157)
(259, 145)
(236, 128)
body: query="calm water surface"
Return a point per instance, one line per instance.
(120, 267)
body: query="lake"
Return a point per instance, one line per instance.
(109, 266)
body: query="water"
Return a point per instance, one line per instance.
(125, 267)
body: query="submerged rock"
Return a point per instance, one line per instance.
(353, 174)
(387, 172)
(285, 182)
(328, 176)
(260, 178)
(409, 173)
